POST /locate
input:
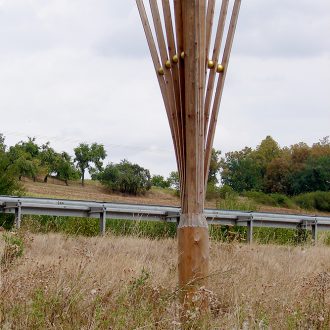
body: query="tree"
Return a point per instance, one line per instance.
(22, 162)
(215, 166)
(314, 176)
(240, 171)
(2, 143)
(48, 160)
(126, 177)
(8, 177)
(159, 181)
(65, 169)
(277, 177)
(89, 157)
(174, 180)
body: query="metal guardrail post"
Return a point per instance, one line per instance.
(314, 232)
(250, 231)
(18, 215)
(103, 221)
(249, 223)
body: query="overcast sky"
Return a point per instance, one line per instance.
(80, 71)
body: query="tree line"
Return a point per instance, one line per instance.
(31, 160)
(267, 168)
(271, 169)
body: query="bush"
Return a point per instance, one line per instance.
(318, 200)
(282, 200)
(270, 199)
(226, 192)
(126, 177)
(160, 181)
(90, 226)
(7, 221)
(260, 197)
(212, 191)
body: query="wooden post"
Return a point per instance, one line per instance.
(180, 60)
(193, 237)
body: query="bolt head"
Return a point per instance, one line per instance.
(210, 64)
(161, 71)
(168, 64)
(182, 55)
(220, 68)
(175, 59)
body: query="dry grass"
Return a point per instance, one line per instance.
(93, 190)
(65, 282)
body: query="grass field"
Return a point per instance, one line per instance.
(53, 278)
(55, 281)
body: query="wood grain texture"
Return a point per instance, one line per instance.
(188, 103)
(157, 64)
(193, 260)
(179, 44)
(219, 88)
(215, 58)
(168, 79)
(209, 25)
(172, 51)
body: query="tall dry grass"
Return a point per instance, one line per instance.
(64, 282)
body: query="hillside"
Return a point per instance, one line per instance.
(93, 190)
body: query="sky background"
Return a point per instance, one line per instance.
(76, 71)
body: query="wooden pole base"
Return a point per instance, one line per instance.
(193, 259)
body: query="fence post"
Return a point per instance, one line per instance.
(314, 232)
(18, 215)
(103, 220)
(250, 231)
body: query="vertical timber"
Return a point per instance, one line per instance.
(180, 59)
(193, 236)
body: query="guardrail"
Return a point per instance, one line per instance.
(104, 210)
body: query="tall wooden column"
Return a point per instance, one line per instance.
(193, 236)
(181, 58)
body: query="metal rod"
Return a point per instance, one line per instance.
(250, 231)
(18, 216)
(103, 221)
(314, 232)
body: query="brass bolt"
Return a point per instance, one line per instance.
(220, 68)
(175, 59)
(182, 55)
(168, 64)
(210, 64)
(161, 71)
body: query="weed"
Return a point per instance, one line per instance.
(14, 247)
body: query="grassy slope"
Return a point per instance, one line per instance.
(94, 191)
(127, 283)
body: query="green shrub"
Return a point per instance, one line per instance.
(236, 204)
(126, 177)
(227, 192)
(282, 200)
(7, 221)
(318, 200)
(270, 199)
(14, 247)
(90, 226)
(212, 191)
(67, 225)
(260, 197)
